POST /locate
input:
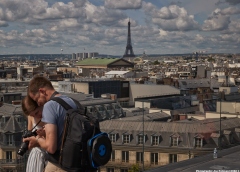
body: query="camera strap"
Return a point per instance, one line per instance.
(36, 125)
(54, 94)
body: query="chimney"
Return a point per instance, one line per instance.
(16, 102)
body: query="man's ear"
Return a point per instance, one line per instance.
(42, 90)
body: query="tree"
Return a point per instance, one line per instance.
(156, 62)
(134, 168)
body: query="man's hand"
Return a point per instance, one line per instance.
(32, 142)
(41, 132)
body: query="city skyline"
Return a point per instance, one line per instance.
(157, 27)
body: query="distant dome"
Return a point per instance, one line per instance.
(137, 60)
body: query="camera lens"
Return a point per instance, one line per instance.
(23, 148)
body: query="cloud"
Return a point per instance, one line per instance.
(79, 3)
(172, 18)
(60, 10)
(99, 15)
(216, 22)
(123, 4)
(233, 2)
(234, 27)
(20, 9)
(124, 23)
(65, 24)
(230, 2)
(178, 3)
(36, 12)
(230, 11)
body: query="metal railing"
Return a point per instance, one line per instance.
(12, 161)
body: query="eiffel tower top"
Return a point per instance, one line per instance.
(129, 50)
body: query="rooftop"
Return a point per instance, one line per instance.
(228, 159)
(97, 61)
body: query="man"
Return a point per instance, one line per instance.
(41, 90)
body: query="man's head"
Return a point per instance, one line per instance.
(30, 107)
(40, 90)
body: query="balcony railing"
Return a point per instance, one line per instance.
(131, 162)
(10, 144)
(12, 161)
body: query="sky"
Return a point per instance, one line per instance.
(157, 26)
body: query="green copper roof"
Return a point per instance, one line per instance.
(97, 61)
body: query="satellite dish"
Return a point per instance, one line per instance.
(61, 49)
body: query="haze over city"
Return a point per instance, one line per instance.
(157, 27)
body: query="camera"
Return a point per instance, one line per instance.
(24, 146)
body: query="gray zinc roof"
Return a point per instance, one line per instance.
(9, 109)
(147, 117)
(201, 126)
(12, 126)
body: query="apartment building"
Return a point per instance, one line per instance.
(160, 143)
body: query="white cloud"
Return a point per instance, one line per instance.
(172, 18)
(234, 27)
(65, 24)
(60, 10)
(102, 16)
(123, 4)
(20, 9)
(230, 11)
(216, 22)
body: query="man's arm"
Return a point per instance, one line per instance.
(49, 143)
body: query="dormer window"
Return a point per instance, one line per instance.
(112, 136)
(126, 138)
(141, 138)
(174, 140)
(198, 141)
(155, 140)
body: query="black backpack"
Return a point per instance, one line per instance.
(84, 147)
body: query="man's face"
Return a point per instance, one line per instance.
(40, 97)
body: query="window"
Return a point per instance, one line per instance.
(126, 138)
(139, 156)
(155, 140)
(112, 156)
(172, 158)
(9, 156)
(125, 156)
(174, 139)
(112, 137)
(154, 158)
(124, 170)
(110, 169)
(198, 142)
(141, 139)
(9, 139)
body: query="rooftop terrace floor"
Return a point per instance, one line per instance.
(228, 159)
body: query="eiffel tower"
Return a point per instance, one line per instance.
(129, 50)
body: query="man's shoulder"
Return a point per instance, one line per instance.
(51, 104)
(67, 100)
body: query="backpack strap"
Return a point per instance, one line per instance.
(64, 104)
